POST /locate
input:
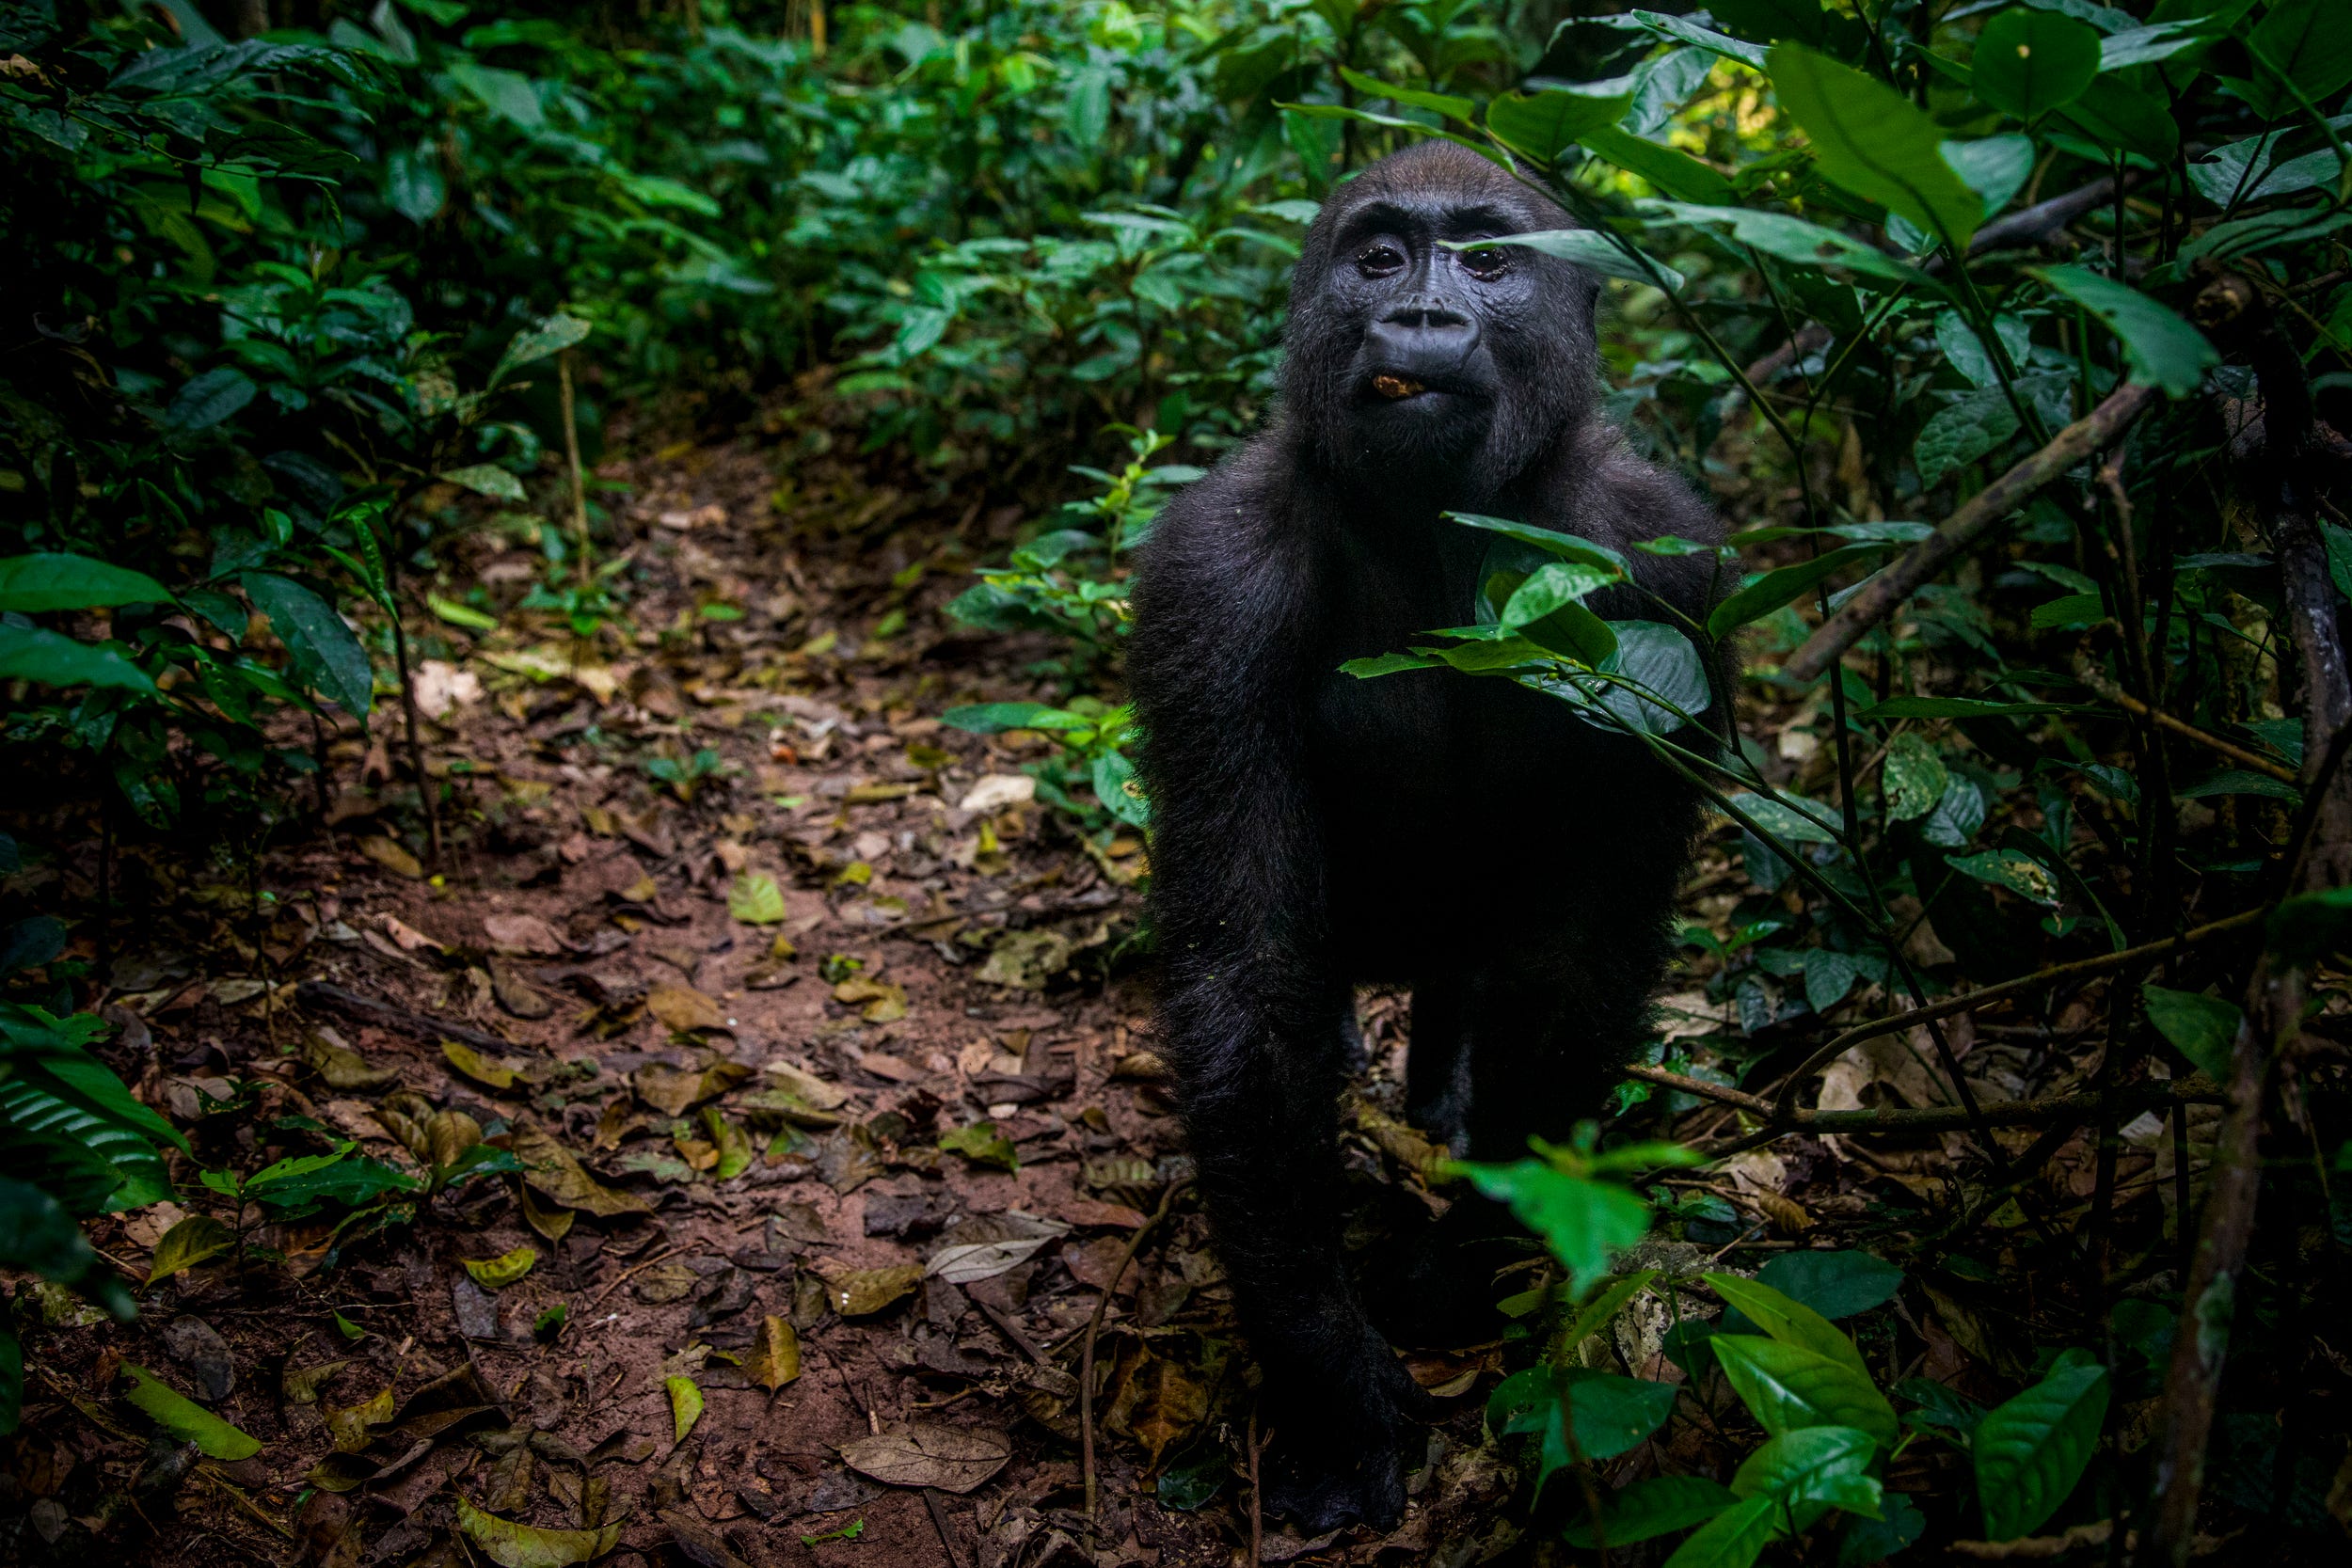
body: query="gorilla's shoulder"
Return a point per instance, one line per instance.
(1630, 497)
(1229, 521)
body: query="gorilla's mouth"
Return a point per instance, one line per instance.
(1397, 387)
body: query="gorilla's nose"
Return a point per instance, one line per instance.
(1426, 340)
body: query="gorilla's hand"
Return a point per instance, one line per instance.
(1338, 1450)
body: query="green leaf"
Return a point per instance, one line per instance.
(1835, 1284)
(1674, 172)
(2311, 926)
(551, 336)
(1791, 818)
(1788, 1387)
(187, 1420)
(1118, 788)
(1543, 125)
(1956, 707)
(461, 614)
(2008, 868)
(496, 1273)
(46, 657)
(1790, 1323)
(686, 1404)
(36, 1233)
(1873, 141)
(1549, 588)
(997, 717)
(327, 655)
(487, 479)
(35, 584)
(2028, 62)
(1646, 1509)
(1970, 426)
(755, 899)
(2165, 350)
(1585, 1223)
(208, 399)
(1387, 664)
(191, 1241)
(1661, 678)
(1611, 1414)
(1808, 244)
(2030, 1451)
(512, 1545)
(1567, 546)
(120, 1164)
(2117, 114)
(2306, 42)
(1734, 1538)
(983, 1143)
(1435, 103)
(1914, 776)
(1591, 250)
(2203, 1028)
(1603, 1309)
(1812, 1469)
(1786, 583)
(2074, 610)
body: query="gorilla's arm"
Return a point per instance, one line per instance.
(1252, 1008)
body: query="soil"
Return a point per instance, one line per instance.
(944, 957)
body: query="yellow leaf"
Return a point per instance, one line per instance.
(186, 1244)
(684, 1009)
(512, 1545)
(496, 1273)
(686, 1404)
(775, 1357)
(391, 857)
(469, 1061)
(755, 899)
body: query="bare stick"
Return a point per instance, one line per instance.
(1094, 1326)
(2182, 727)
(580, 482)
(1932, 1118)
(1877, 598)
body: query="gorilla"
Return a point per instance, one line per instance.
(1473, 839)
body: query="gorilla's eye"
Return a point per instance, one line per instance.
(1379, 260)
(1486, 262)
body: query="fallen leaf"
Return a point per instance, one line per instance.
(350, 1427)
(697, 1543)
(301, 1387)
(517, 998)
(953, 1459)
(755, 899)
(985, 1245)
(553, 1223)
(982, 1144)
(198, 1346)
(448, 1134)
(469, 1062)
(391, 857)
(184, 1420)
(553, 1169)
(523, 933)
(498, 1272)
(512, 1545)
(673, 1091)
(775, 1355)
(186, 1244)
(807, 1087)
(686, 1404)
(343, 1067)
(861, 1293)
(882, 1064)
(407, 937)
(683, 1009)
(1144, 1066)
(1026, 959)
(664, 1282)
(995, 791)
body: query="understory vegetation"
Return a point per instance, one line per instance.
(365, 374)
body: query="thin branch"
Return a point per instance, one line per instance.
(1932, 1118)
(2182, 727)
(1878, 597)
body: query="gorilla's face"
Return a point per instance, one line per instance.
(1420, 357)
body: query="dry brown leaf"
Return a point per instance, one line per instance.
(683, 1009)
(407, 937)
(555, 1171)
(342, 1067)
(860, 1292)
(775, 1355)
(953, 1459)
(391, 857)
(664, 1282)
(523, 933)
(673, 1091)
(807, 1087)
(465, 1059)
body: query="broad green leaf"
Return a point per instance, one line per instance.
(1787, 1387)
(1956, 707)
(2120, 114)
(2007, 868)
(1915, 777)
(461, 614)
(1387, 664)
(2164, 349)
(2030, 1451)
(755, 899)
(488, 478)
(1117, 786)
(1995, 167)
(2029, 62)
(1873, 141)
(1789, 1322)
(1791, 818)
(327, 655)
(1973, 425)
(1567, 546)
(1594, 252)
(1611, 1414)
(1542, 125)
(1734, 1538)
(1548, 588)
(46, 657)
(1667, 678)
(2203, 1028)
(208, 399)
(1646, 1509)
(552, 336)
(2313, 926)
(1435, 103)
(2146, 45)
(185, 1420)
(996, 717)
(686, 1404)
(1835, 1284)
(496, 1273)
(1585, 1223)
(1808, 244)
(512, 1545)
(92, 1162)
(1674, 172)
(35, 584)
(1682, 30)
(2306, 42)
(1812, 1469)
(1784, 584)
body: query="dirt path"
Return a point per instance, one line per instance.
(926, 965)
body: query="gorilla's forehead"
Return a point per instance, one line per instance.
(1438, 177)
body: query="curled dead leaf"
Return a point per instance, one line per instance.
(512, 1545)
(556, 1172)
(684, 1011)
(673, 1091)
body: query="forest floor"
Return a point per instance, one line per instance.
(580, 980)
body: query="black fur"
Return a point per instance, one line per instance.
(1513, 863)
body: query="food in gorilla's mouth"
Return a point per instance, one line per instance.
(1396, 387)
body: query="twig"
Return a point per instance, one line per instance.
(1095, 1327)
(2182, 727)
(368, 1009)
(1012, 1330)
(939, 1522)
(1878, 597)
(631, 1272)
(571, 453)
(1785, 1102)
(1257, 1508)
(1932, 1118)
